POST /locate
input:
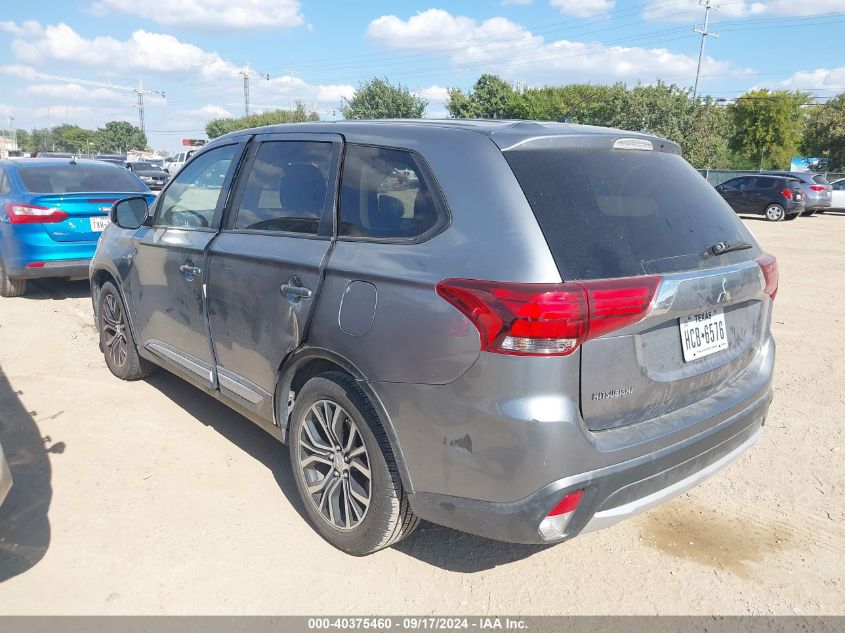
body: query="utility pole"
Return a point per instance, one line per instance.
(246, 72)
(291, 73)
(707, 4)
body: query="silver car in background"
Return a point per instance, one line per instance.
(521, 330)
(816, 188)
(5, 477)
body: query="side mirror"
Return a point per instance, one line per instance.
(129, 213)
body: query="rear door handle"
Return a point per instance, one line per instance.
(300, 292)
(190, 271)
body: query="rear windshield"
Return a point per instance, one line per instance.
(67, 178)
(621, 213)
(820, 180)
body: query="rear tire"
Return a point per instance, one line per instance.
(774, 213)
(791, 216)
(356, 501)
(10, 287)
(116, 340)
(807, 214)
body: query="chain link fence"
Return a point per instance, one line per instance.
(718, 176)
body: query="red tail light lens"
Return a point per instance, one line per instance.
(786, 193)
(31, 214)
(769, 266)
(548, 319)
(567, 504)
(817, 187)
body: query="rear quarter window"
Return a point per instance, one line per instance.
(620, 213)
(820, 180)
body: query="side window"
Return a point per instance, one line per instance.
(744, 184)
(766, 183)
(4, 183)
(287, 187)
(385, 193)
(839, 185)
(192, 197)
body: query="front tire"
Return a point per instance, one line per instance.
(344, 467)
(774, 213)
(116, 339)
(10, 287)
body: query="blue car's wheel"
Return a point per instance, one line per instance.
(10, 287)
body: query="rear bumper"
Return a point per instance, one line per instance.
(5, 477)
(611, 494)
(76, 268)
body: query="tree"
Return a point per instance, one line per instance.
(767, 126)
(491, 97)
(379, 99)
(824, 133)
(219, 127)
(72, 138)
(118, 137)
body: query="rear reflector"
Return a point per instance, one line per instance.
(554, 525)
(31, 214)
(769, 266)
(548, 319)
(35, 265)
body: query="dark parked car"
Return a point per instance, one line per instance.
(525, 337)
(151, 174)
(775, 197)
(817, 190)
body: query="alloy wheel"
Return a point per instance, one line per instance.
(335, 465)
(114, 330)
(774, 213)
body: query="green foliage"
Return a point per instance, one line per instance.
(824, 133)
(379, 99)
(72, 138)
(490, 98)
(767, 127)
(118, 137)
(219, 127)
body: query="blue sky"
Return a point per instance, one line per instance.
(195, 50)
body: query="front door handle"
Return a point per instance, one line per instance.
(190, 271)
(300, 292)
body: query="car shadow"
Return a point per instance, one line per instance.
(433, 544)
(57, 289)
(24, 523)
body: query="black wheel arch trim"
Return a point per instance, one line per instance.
(305, 354)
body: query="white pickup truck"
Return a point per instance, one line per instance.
(173, 164)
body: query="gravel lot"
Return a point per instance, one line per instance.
(151, 497)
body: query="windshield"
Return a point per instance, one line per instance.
(70, 178)
(621, 213)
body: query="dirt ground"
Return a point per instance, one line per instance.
(151, 497)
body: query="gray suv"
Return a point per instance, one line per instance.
(818, 194)
(521, 330)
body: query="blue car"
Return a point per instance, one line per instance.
(52, 211)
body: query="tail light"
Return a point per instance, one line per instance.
(786, 193)
(769, 266)
(31, 214)
(548, 319)
(817, 187)
(554, 525)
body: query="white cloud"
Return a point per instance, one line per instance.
(583, 8)
(335, 92)
(143, 51)
(433, 93)
(819, 79)
(504, 47)
(211, 14)
(680, 11)
(519, 2)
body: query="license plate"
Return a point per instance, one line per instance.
(703, 334)
(99, 223)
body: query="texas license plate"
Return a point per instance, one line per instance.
(99, 223)
(703, 334)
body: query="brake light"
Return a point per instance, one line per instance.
(554, 525)
(817, 187)
(548, 319)
(786, 193)
(31, 214)
(769, 265)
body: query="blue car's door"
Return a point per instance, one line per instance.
(167, 274)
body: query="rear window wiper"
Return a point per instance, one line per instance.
(720, 248)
